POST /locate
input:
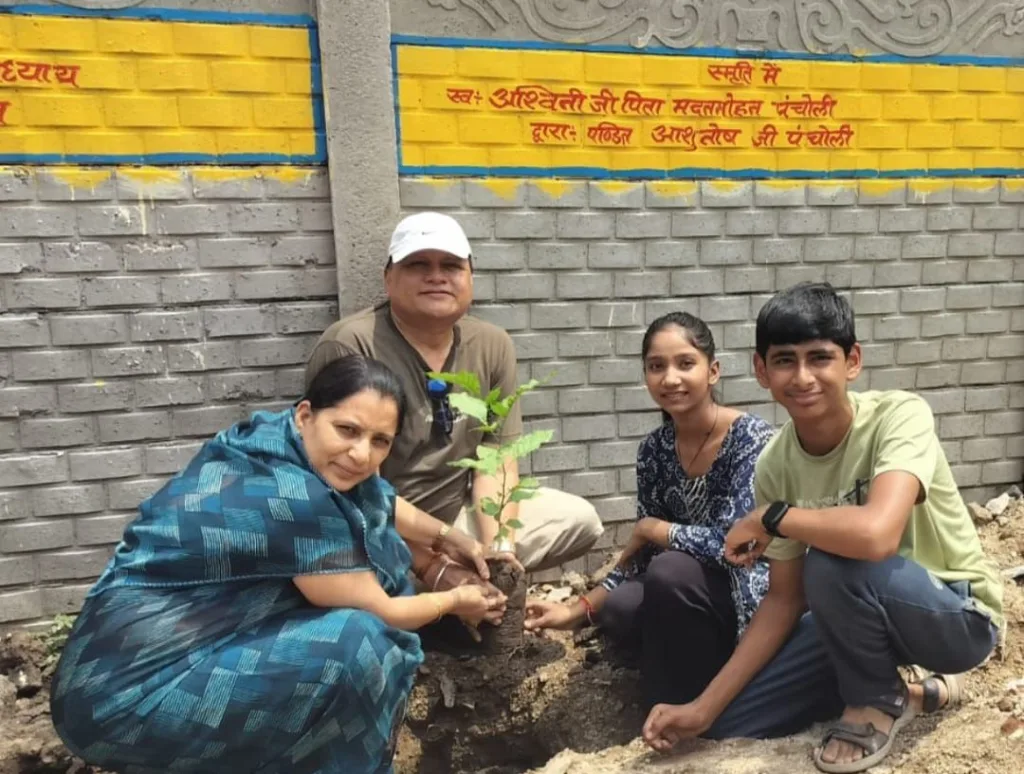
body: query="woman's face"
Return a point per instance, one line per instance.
(347, 442)
(678, 375)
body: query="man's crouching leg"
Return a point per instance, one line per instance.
(557, 528)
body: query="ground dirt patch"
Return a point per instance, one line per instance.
(566, 705)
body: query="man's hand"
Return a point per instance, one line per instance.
(668, 723)
(747, 539)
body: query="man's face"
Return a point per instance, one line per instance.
(808, 379)
(430, 284)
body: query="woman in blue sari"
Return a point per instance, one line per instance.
(257, 615)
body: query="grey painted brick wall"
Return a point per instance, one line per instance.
(136, 320)
(575, 270)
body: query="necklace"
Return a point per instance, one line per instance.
(700, 448)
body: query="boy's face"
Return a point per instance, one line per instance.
(808, 379)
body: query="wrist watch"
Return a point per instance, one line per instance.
(773, 516)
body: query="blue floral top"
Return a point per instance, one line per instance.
(702, 508)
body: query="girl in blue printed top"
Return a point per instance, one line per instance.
(672, 596)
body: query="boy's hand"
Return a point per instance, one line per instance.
(747, 539)
(667, 724)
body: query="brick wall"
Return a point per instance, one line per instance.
(141, 311)
(575, 270)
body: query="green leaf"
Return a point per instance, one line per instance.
(466, 462)
(514, 524)
(529, 483)
(499, 408)
(529, 443)
(489, 507)
(467, 380)
(493, 395)
(469, 405)
(521, 493)
(488, 460)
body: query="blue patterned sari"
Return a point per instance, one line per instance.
(194, 651)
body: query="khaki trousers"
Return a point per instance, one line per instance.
(557, 528)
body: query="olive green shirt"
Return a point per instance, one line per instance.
(891, 430)
(418, 464)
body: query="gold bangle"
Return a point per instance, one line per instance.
(441, 535)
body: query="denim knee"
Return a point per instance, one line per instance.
(828, 576)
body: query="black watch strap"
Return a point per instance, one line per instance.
(773, 516)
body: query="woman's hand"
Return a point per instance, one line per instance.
(475, 603)
(646, 530)
(550, 615)
(471, 553)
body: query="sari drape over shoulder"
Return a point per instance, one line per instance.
(194, 651)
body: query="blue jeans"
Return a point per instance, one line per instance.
(865, 620)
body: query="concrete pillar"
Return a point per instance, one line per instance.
(355, 51)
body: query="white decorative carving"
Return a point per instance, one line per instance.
(913, 28)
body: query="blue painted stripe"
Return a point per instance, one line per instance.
(728, 53)
(699, 173)
(160, 159)
(316, 87)
(165, 14)
(394, 95)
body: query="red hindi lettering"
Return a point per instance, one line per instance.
(766, 137)
(542, 131)
(675, 135)
(3, 112)
(34, 71)
(770, 73)
(635, 102)
(459, 96)
(716, 135)
(67, 74)
(7, 73)
(604, 101)
(608, 133)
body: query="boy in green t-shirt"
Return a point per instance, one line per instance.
(863, 525)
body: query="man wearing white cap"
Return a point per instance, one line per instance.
(422, 327)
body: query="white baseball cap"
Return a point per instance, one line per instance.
(428, 231)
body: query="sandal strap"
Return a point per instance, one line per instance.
(864, 735)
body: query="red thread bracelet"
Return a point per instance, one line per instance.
(589, 608)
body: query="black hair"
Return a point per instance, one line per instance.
(697, 331)
(342, 378)
(809, 311)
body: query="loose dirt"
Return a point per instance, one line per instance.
(567, 705)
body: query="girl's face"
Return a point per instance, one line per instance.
(347, 442)
(679, 376)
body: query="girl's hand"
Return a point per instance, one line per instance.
(549, 615)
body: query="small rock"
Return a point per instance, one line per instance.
(1014, 572)
(998, 505)
(8, 695)
(1011, 727)
(1002, 521)
(1015, 493)
(1005, 704)
(28, 680)
(576, 582)
(447, 691)
(559, 595)
(979, 514)
(1015, 686)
